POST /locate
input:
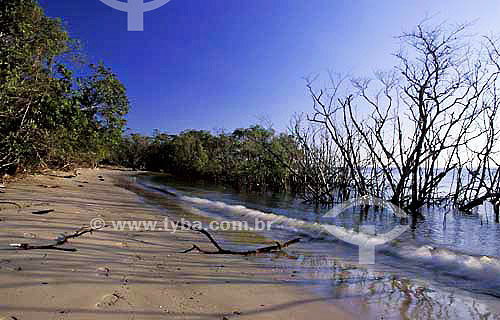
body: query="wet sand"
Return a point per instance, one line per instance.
(129, 274)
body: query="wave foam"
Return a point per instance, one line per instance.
(482, 268)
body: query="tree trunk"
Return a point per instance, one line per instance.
(496, 208)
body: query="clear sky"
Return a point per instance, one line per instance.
(211, 64)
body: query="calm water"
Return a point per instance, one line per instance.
(446, 266)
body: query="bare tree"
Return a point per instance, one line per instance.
(402, 134)
(478, 178)
(320, 167)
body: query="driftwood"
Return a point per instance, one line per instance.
(70, 176)
(43, 211)
(48, 186)
(63, 239)
(274, 248)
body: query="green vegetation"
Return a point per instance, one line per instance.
(49, 116)
(56, 112)
(249, 159)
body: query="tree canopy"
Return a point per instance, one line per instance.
(49, 116)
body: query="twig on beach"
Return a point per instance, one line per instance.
(69, 176)
(48, 186)
(63, 239)
(274, 248)
(43, 211)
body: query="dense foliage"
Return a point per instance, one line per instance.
(249, 159)
(49, 116)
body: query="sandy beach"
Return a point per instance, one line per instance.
(127, 274)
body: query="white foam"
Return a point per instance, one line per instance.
(480, 268)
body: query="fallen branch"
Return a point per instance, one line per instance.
(70, 176)
(61, 240)
(274, 248)
(43, 211)
(48, 186)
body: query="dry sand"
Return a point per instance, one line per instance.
(128, 274)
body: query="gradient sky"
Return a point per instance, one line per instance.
(211, 64)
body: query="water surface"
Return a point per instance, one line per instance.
(446, 266)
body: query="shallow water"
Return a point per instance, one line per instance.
(446, 266)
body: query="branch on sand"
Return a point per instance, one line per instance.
(61, 240)
(274, 248)
(43, 211)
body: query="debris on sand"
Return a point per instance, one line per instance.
(43, 211)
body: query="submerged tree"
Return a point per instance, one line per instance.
(402, 134)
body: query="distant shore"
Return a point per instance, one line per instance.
(126, 274)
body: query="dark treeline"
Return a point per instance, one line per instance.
(55, 109)
(247, 159)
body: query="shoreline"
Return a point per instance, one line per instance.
(128, 274)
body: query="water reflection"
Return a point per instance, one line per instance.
(384, 295)
(447, 267)
(475, 233)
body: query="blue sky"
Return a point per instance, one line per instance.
(211, 64)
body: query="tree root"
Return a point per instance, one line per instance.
(274, 248)
(63, 239)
